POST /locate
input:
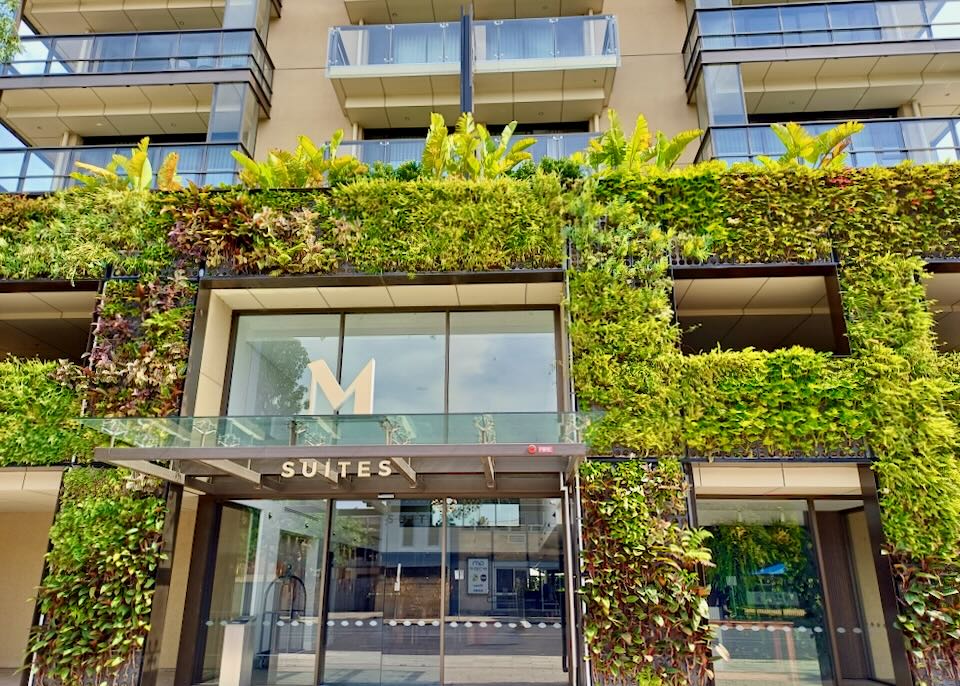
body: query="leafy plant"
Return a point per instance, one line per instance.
(105, 546)
(822, 151)
(134, 172)
(9, 37)
(38, 416)
(613, 151)
(471, 152)
(308, 166)
(646, 611)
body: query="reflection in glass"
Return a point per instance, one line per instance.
(723, 90)
(271, 354)
(766, 593)
(503, 362)
(408, 351)
(383, 602)
(265, 591)
(498, 362)
(505, 587)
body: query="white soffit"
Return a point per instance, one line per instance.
(349, 297)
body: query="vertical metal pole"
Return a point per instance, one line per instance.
(443, 586)
(325, 564)
(570, 592)
(150, 662)
(466, 59)
(578, 506)
(831, 625)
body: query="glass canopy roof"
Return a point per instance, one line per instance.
(551, 428)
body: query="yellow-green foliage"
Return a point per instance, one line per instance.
(37, 414)
(895, 394)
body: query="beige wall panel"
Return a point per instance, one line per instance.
(178, 584)
(653, 86)
(298, 40)
(23, 540)
(648, 28)
(304, 103)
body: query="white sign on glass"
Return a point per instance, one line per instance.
(478, 575)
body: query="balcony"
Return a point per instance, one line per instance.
(154, 58)
(821, 30)
(881, 143)
(400, 150)
(533, 70)
(391, 12)
(52, 17)
(43, 170)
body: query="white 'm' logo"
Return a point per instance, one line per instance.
(361, 388)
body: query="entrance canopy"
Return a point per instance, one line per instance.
(317, 453)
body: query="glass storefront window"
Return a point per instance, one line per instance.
(394, 363)
(503, 362)
(265, 597)
(766, 595)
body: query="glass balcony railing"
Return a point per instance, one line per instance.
(884, 143)
(344, 430)
(820, 23)
(400, 150)
(129, 53)
(42, 170)
(436, 46)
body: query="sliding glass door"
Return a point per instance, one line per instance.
(383, 599)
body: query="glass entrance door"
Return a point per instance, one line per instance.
(383, 598)
(386, 593)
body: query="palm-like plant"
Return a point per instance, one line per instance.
(308, 166)
(613, 151)
(134, 172)
(824, 151)
(470, 152)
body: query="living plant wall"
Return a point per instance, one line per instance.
(895, 394)
(149, 247)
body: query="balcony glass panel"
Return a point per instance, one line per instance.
(409, 44)
(881, 143)
(142, 52)
(439, 43)
(757, 28)
(944, 18)
(801, 24)
(821, 23)
(400, 150)
(42, 170)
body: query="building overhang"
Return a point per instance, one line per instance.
(344, 453)
(410, 11)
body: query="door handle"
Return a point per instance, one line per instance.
(396, 584)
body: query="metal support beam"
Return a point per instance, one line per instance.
(150, 469)
(489, 469)
(234, 469)
(406, 471)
